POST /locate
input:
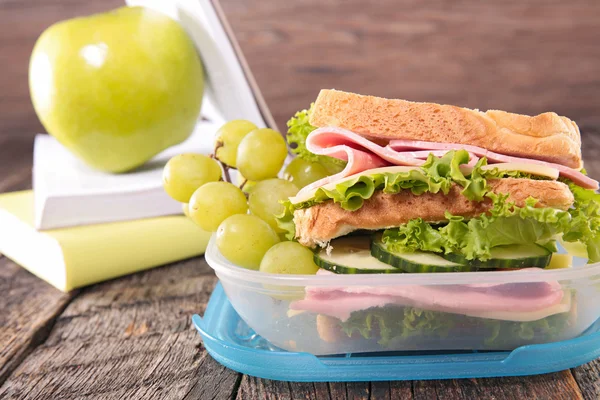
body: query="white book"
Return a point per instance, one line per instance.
(69, 193)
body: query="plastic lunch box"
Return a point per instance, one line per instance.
(263, 302)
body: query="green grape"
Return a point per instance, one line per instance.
(261, 154)
(185, 173)
(303, 172)
(229, 137)
(244, 240)
(212, 203)
(289, 258)
(332, 165)
(248, 185)
(265, 196)
(186, 209)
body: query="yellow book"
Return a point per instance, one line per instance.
(73, 257)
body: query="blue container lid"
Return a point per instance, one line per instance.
(234, 344)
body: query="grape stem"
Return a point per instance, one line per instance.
(224, 167)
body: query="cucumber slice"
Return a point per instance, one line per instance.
(513, 256)
(351, 255)
(415, 262)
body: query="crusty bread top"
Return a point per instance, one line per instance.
(318, 224)
(546, 136)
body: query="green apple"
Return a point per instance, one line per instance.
(117, 88)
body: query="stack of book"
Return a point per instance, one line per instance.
(79, 226)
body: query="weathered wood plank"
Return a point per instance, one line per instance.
(29, 307)
(560, 385)
(588, 379)
(129, 338)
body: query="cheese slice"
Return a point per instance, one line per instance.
(533, 169)
(525, 316)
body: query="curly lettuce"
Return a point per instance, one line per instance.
(585, 220)
(389, 324)
(299, 128)
(505, 224)
(501, 334)
(393, 325)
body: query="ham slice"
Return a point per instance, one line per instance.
(477, 299)
(360, 153)
(363, 154)
(404, 146)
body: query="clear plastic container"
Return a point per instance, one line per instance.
(400, 312)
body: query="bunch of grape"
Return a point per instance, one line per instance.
(243, 216)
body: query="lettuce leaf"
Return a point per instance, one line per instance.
(392, 325)
(445, 170)
(298, 129)
(503, 333)
(506, 224)
(585, 220)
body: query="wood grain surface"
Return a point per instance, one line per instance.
(131, 337)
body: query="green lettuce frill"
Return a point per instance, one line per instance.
(585, 220)
(506, 224)
(392, 325)
(299, 128)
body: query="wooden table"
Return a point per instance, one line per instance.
(131, 337)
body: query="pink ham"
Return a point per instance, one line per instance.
(576, 176)
(360, 153)
(340, 302)
(340, 143)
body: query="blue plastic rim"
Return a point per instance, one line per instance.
(232, 343)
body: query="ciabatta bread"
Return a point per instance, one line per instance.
(547, 136)
(317, 225)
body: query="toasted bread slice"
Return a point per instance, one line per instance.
(546, 136)
(318, 224)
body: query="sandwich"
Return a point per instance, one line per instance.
(429, 188)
